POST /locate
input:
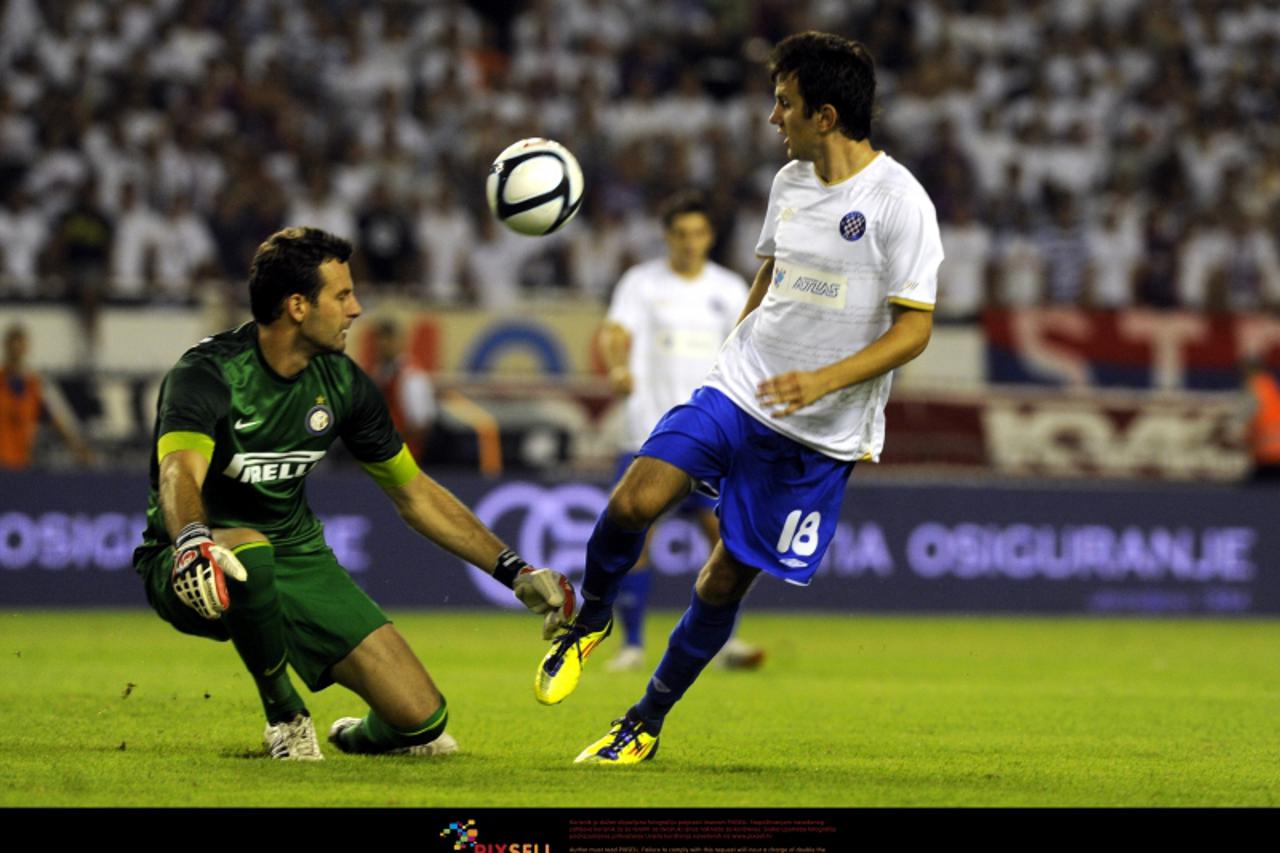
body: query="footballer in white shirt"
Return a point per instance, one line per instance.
(845, 294)
(666, 323)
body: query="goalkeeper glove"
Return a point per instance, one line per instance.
(543, 591)
(200, 568)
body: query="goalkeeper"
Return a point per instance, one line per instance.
(233, 552)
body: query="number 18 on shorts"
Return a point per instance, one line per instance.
(800, 536)
(786, 543)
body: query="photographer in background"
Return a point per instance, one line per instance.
(23, 404)
(1262, 427)
(405, 385)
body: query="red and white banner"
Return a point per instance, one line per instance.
(1187, 436)
(1134, 348)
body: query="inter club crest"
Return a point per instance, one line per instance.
(319, 417)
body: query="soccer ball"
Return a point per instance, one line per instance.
(535, 186)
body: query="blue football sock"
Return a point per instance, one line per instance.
(611, 552)
(631, 604)
(701, 632)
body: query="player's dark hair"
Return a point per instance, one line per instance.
(685, 201)
(288, 262)
(830, 69)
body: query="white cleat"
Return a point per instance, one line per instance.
(339, 726)
(443, 745)
(737, 654)
(629, 659)
(294, 740)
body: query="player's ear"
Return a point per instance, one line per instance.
(828, 118)
(295, 305)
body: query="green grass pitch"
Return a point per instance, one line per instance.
(116, 709)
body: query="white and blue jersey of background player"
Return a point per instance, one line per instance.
(844, 255)
(676, 326)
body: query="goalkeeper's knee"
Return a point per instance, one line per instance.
(259, 561)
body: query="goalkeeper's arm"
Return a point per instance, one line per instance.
(200, 566)
(433, 511)
(182, 474)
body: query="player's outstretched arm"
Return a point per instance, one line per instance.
(433, 511)
(903, 341)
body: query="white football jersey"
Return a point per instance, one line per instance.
(842, 254)
(677, 326)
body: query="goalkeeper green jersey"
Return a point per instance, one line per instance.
(264, 433)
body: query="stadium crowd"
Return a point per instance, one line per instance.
(1079, 151)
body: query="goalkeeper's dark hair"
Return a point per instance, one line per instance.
(685, 201)
(830, 69)
(288, 262)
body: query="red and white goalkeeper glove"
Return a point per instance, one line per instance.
(544, 591)
(201, 569)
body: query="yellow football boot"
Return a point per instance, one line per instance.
(560, 670)
(628, 742)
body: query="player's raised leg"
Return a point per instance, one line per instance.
(630, 608)
(648, 489)
(703, 630)
(407, 714)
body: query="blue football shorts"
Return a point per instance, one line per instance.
(703, 497)
(779, 500)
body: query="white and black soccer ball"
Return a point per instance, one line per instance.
(535, 186)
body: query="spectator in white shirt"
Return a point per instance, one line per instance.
(188, 251)
(446, 236)
(23, 235)
(1232, 268)
(1064, 247)
(320, 207)
(1115, 249)
(139, 242)
(596, 249)
(1019, 279)
(962, 278)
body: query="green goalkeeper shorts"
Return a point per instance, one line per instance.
(325, 614)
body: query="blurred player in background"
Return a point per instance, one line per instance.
(666, 322)
(405, 385)
(845, 294)
(231, 549)
(23, 403)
